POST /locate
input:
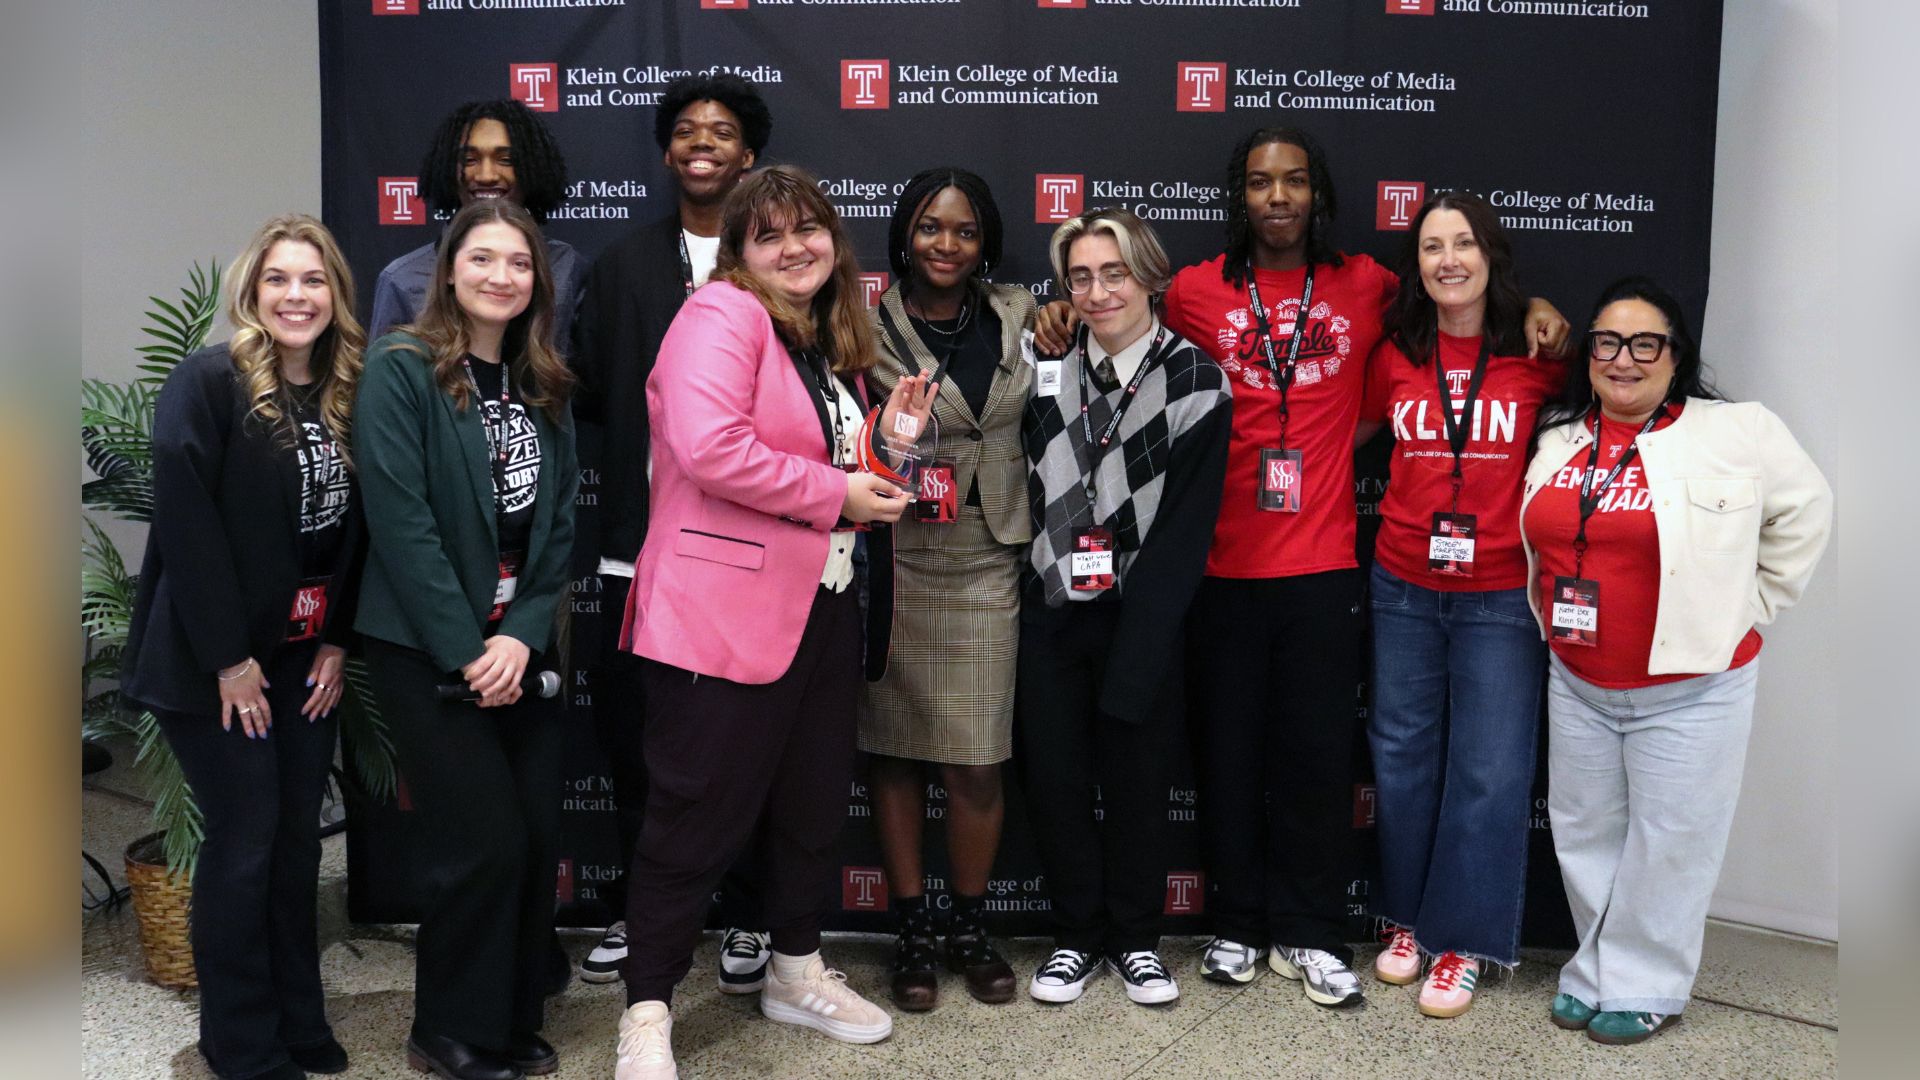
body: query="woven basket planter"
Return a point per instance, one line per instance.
(162, 902)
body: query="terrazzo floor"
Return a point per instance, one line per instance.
(1765, 1006)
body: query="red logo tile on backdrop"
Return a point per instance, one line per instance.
(1397, 202)
(1365, 804)
(863, 888)
(871, 286)
(1058, 196)
(1202, 87)
(1409, 7)
(396, 7)
(400, 202)
(537, 86)
(1186, 892)
(865, 84)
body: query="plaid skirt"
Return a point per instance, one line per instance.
(947, 695)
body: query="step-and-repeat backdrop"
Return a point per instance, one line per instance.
(1588, 125)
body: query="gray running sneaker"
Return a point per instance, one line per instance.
(1225, 961)
(1328, 981)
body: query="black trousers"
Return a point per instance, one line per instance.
(619, 724)
(486, 784)
(1106, 874)
(1273, 666)
(722, 755)
(254, 938)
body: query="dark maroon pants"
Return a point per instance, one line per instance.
(721, 753)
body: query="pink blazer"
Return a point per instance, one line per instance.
(743, 496)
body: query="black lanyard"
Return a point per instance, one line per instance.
(1283, 377)
(1457, 430)
(496, 441)
(907, 358)
(1590, 496)
(1098, 449)
(686, 262)
(836, 434)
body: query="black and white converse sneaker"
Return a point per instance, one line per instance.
(743, 961)
(1148, 982)
(1063, 977)
(603, 964)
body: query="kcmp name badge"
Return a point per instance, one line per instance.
(1280, 480)
(1575, 612)
(1091, 561)
(1450, 544)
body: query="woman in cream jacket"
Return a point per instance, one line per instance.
(1663, 527)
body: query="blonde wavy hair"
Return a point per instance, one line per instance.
(336, 352)
(839, 323)
(542, 376)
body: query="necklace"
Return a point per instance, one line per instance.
(965, 317)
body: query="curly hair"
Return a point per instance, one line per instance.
(539, 169)
(535, 365)
(839, 323)
(1320, 249)
(913, 202)
(335, 363)
(740, 97)
(1412, 321)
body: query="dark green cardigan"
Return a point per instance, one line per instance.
(433, 542)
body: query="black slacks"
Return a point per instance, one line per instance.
(1106, 876)
(619, 724)
(1273, 665)
(722, 754)
(486, 783)
(253, 925)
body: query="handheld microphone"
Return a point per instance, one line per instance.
(544, 684)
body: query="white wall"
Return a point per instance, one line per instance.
(202, 119)
(1770, 337)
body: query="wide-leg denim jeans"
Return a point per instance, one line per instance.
(1456, 712)
(1642, 787)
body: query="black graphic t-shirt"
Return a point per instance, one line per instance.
(323, 482)
(516, 481)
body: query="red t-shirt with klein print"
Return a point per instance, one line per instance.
(1623, 556)
(1323, 405)
(1493, 464)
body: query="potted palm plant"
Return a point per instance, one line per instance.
(116, 435)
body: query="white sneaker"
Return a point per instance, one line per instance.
(603, 964)
(743, 961)
(821, 999)
(1063, 977)
(646, 1044)
(1146, 977)
(1328, 981)
(1230, 962)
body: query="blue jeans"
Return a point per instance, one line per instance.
(1642, 786)
(1456, 712)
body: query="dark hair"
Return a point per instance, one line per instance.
(1412, 321)
(740, 97)
(533, 363)
(1320, 249)
(539, 169)
(913, 200)
(1689, 375)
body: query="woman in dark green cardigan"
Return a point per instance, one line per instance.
(468, 476)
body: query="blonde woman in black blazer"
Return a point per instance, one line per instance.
(240, 630)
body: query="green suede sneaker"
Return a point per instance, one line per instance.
(1627, 1028)
(1571, 1013)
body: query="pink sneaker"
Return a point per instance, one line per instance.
(1449, 987)
(821, 999)
(1399, 962)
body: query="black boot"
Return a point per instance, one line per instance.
(452, 1059)
(916, 956)
(970, 954)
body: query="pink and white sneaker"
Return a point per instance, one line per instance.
(1449, 986)
(1399, 962)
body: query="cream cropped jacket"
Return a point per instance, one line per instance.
(1743, 515)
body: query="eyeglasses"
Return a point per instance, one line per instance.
(1079, 281)
(1645, 347)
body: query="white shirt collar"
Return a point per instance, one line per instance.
(1128, 360)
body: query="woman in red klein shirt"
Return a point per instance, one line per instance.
(1452, 635)
(1662, 527)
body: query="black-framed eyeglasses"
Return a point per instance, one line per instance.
(1111, 278)
(1645, 347)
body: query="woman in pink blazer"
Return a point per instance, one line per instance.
(745, 607)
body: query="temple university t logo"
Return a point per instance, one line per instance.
(396, 7)
(1058, 196)
(871, 286)
(1203, 88)
(537, 86)
(1365, 801)
(1398, 200)
(400, 201)
(1063, 3)
(722, 5)
(863, 888)
(1409, 7)
(864, 84)
(563, 884)
(1184, 894)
